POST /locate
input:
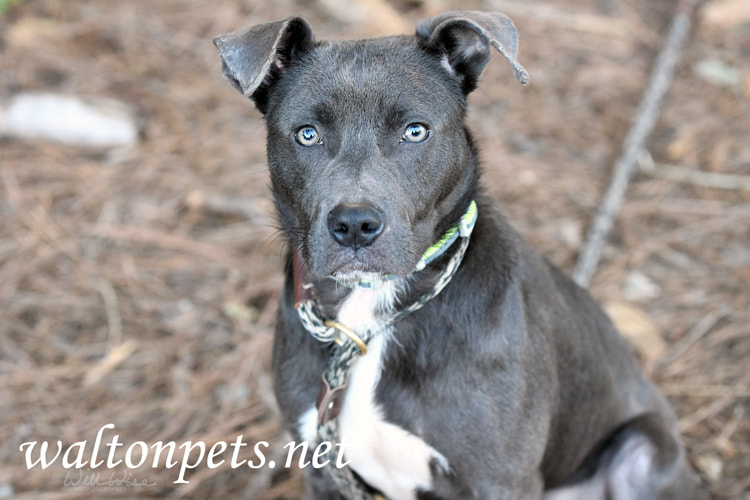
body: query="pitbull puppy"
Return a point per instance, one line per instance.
(509, 383)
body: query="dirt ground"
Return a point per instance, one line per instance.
(138, 285)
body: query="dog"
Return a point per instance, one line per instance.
(416, 327)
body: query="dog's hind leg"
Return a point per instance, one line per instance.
(637, 463)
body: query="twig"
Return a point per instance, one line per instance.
(645, 119)
(14, 195)
(700, 329)
(111, 306)
(164, 240)
(110, 362)
(692, 176)
(723, 440)
(705, 390)
(688, 422)
(247, 208)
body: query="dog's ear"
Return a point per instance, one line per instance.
(255, 56)
(464, 39)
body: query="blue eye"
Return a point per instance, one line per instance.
(307, 136)
(415, 132)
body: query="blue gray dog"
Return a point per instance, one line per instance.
(416, 327)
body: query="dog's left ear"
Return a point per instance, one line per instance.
(465, 38)
(253, 58)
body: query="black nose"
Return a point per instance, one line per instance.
(355, 225)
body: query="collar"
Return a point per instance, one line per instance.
(463, 229)
(327, 331)
(344, 354)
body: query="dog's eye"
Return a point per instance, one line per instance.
(307, 136)
(416, 132)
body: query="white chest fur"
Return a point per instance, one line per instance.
(383, 454)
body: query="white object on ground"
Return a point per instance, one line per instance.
(95, 121)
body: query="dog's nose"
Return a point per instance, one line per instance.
(355, 225)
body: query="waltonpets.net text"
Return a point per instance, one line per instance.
(138, 453)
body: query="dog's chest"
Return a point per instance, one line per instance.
(385, 455)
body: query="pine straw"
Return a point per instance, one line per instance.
(139, 287)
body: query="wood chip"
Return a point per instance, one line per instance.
(111, 361)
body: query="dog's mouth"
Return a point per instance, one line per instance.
(355, 269)
(354, 279)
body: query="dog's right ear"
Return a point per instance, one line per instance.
(465, 39)
(254, 57)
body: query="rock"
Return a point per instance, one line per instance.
(6, 491)
(718, 73)
(570, 234)
(711, 466)
(528, 178)
(735, 255)
(239, 312)
(95, 121)
(637, 287)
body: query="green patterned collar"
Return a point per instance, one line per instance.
(462, 229)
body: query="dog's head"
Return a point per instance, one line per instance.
(369, 157)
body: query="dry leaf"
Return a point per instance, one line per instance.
(375, 17)
(726, 14)
(637, 327)
(30, 32)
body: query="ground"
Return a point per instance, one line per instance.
(138, 285)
